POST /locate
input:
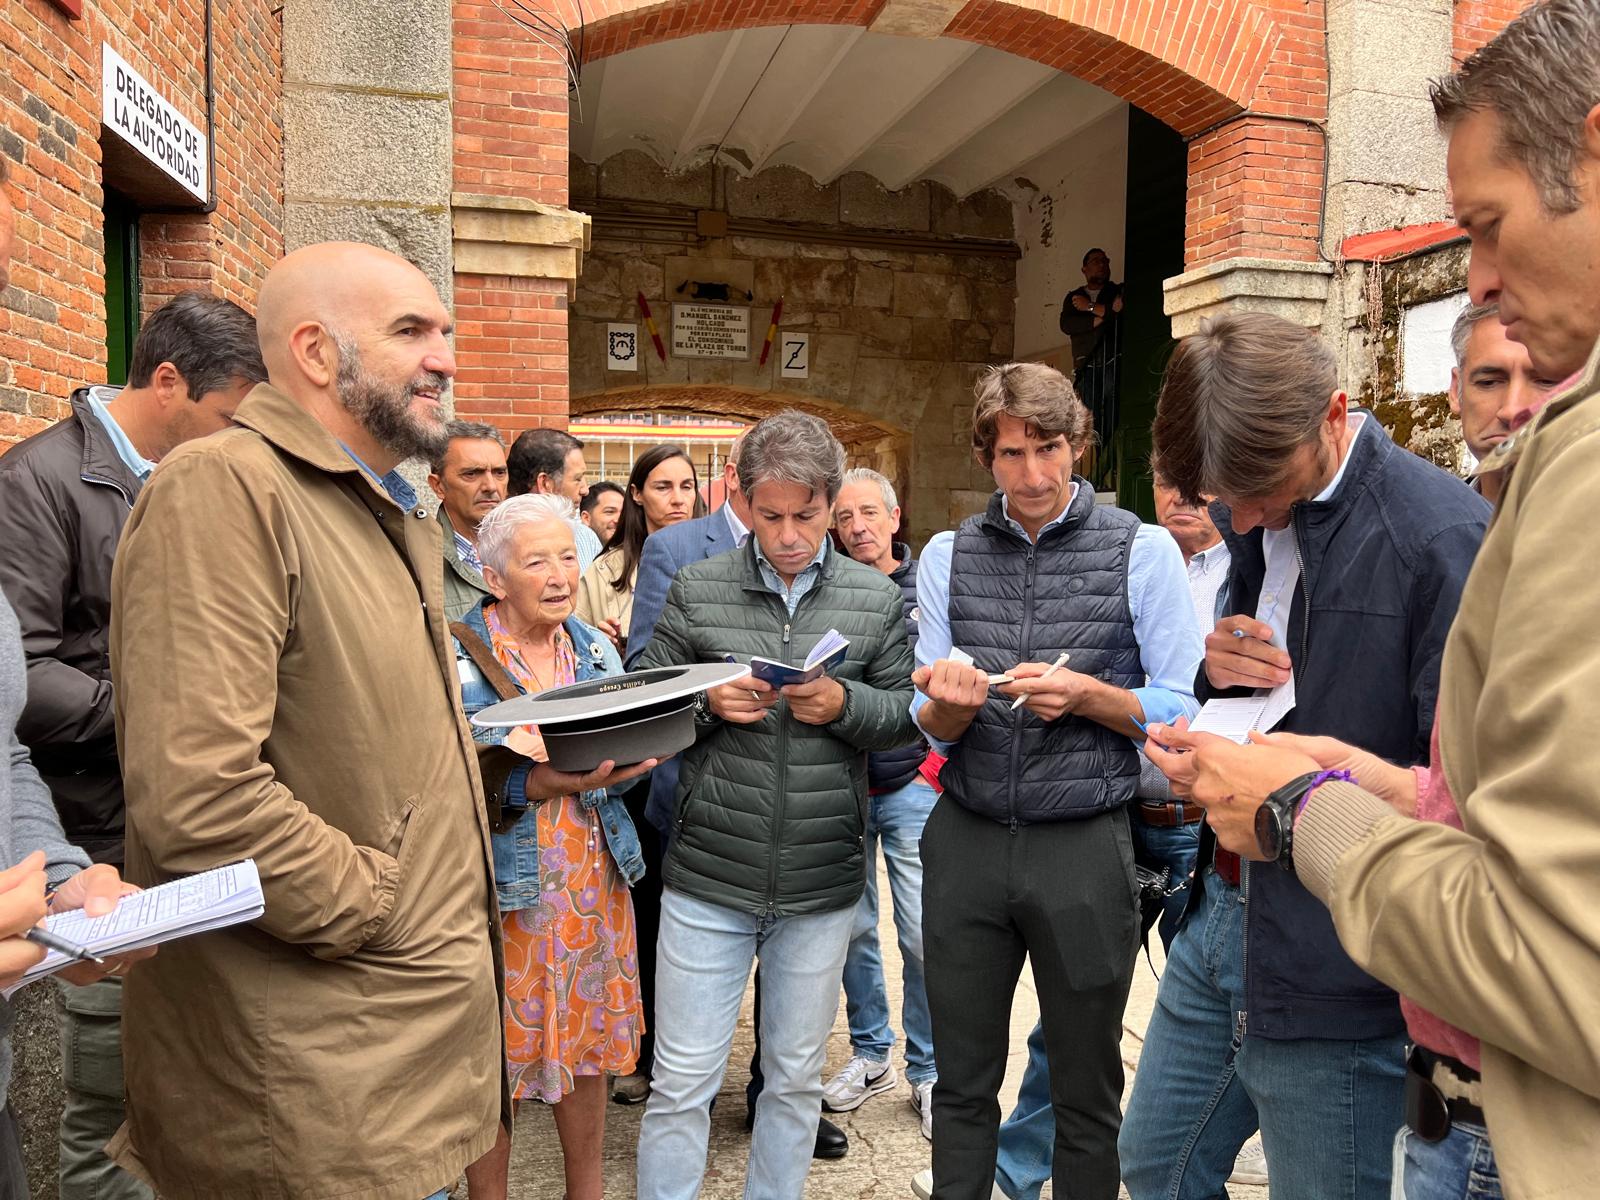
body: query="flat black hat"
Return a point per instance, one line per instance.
(625, 718)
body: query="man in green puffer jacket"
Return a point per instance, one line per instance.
(766, 858)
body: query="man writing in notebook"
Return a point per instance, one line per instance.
(1468, 886)
(299, 707)
(1347, 560)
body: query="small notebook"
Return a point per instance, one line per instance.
(211, 900)
(1235, 718)
(824, 657)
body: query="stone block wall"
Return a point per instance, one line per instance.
(52, 320)
(899, 328)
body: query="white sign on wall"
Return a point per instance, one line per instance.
(147, 121)
(710, 331)
(1425, 344)
(622, 347)
(794, 357)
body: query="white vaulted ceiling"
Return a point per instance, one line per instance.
(830, 99)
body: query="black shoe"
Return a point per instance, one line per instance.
(831, 1140)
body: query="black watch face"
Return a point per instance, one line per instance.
(1269, 833)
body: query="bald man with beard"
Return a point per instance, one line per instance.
(286, 692)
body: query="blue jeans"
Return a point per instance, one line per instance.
(1461, 1167)
(703, 962)
(444, 1195)
(897, 819)
(1027, 1139)
(1174, 848)
(1327, 1109)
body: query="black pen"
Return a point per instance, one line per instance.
(43, 937)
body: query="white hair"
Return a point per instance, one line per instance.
(497, 531)
(868, 475)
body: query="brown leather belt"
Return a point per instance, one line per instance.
(1169, 816)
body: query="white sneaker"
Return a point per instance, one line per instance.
(922, 1187)
(1250, 1168)
(857, 1082)
(922, 1101)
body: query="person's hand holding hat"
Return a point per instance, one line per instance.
(546, 783)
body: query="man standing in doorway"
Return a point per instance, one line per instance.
(1348, 559)
(1092, 317)
(470, 479)
(1493, 388)
(550, 462)
(1028, 854)
(65, 494)
(867, 516)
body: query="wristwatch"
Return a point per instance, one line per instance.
(702, 709)
(1275, 818)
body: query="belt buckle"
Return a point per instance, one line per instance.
(1427, 1110)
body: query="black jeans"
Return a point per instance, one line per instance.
(1063, 896)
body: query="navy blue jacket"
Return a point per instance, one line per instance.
(664, 552)
(1385, 559)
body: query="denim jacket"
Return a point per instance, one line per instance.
(516, 851)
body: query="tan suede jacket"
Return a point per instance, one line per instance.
(1496, 927)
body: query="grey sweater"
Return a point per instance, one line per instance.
(28, 819)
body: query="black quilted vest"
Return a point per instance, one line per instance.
(890, 770)
(1014, 602)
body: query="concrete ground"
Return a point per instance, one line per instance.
(886, 1144)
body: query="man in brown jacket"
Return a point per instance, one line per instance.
(1471, 891)
(286, 692)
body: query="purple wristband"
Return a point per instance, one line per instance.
(1326, 776)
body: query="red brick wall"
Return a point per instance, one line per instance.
(1255, 191)
(52, 326)
(510, 113)
(1475, 22)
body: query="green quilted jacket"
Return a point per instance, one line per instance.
(769, 817)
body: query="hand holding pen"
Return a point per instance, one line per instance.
(1240, 653)
(1044, 688)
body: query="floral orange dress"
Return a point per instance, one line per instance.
(572, 969)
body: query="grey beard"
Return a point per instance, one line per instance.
(385, 412)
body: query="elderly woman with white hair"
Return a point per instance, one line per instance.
(562, 866)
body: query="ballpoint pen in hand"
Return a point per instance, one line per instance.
(41, 936)
(1060, 662)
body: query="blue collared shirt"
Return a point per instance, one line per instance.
(130, 456)
(394, 484)
(586, 541)
(803, 582)
(1170, 643)
(467, 552)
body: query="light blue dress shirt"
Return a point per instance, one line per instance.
(1170, 643)
(587, 542)
(131, 458)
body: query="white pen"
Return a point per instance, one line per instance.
(1051, 670)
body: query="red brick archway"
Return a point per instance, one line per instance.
(1244, 80)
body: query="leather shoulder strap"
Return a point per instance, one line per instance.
(499, 678)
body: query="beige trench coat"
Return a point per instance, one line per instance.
(286, 691)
